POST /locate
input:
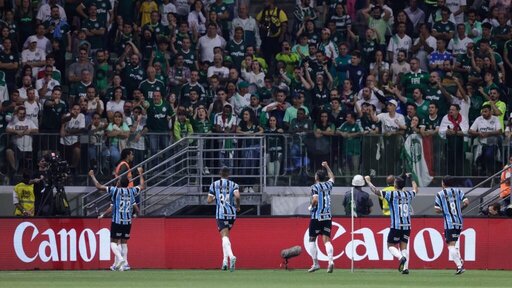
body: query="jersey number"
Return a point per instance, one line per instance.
(403, 210)
(223, 200)
(453, 208)
(124, 206)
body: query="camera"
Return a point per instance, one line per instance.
(57, 170)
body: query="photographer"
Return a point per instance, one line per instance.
(43, 197)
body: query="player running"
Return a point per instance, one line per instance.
(400, 206)
(227, 199)
(123, 204)
(450, 202)
(320, 222)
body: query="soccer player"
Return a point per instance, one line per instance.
(227, 199)
(320, 222)
(400, 206)
(450, 202)
(123, 204)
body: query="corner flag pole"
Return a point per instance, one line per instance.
(352, 229)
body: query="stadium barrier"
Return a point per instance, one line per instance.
(194, 243)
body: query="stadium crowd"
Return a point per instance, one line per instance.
(358, 83)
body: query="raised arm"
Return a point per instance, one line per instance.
(329, 171)
(372, 187)
(98, 185)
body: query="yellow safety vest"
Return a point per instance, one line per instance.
(385, 204)
(26, 198)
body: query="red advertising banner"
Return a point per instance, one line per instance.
(194, 243)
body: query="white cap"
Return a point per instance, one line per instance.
(32, 38)
(392, 101)
(358, 181)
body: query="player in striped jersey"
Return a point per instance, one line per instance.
(400, 212)
(320, 223)
(123, 204)
(450, 202)
(227, 199)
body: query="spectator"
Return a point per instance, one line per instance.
(32, 106)
(95, 28)
(44, 12)
(159, 115)
(251, 148)
(145, 10)
(400, 66)
(494, 210)
(9, 64)
(208, 42)
(415, 14)
(79, 90)
(73, 125)
(94, 104)
(117, 134)
(97, 150)
(46, 84)
(498, 107)
(197, 19)
(273, 24)
(487, 129)
(248, 24)
(33, 56)
(275, 143)
(320, 148)
(192, 84)
(19, 153)
(351, 145)
(452, 128)
(363, 204)
(429, 130)
(225, 122)
(182, 126)
(76, 68)
(423, 46)
(23, 197)
(436, 59)
(300, 127)
(399, 41)
(149, 85)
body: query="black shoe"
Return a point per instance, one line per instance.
(402, 263)
(405, 272)
(460, 270)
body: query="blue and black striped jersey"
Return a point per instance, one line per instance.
(223, 191)
(400, 208)
(123, 200)
(322, 211)
(450, 201)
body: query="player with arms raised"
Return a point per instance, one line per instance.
(320, 222)
(123, 204)
(400, 206)
(450, 202)
(227, 199)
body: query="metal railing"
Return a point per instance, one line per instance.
(180, 174)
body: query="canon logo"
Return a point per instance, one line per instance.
(420, 243)
(87, 245)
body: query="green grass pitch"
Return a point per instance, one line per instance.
(253, 278)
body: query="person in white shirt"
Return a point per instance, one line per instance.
(453, 127)
(459, 44)
(457, 8)
(423, 46)
(43, 43)
(73, 125)
(218, 69)
(393, 127)
(487, 129)
(166, 8)
(251, 29)
(45, 11)
(33, 56)
(46, 84)
(255, 75)
(415, 14)
(400, 67)
(32, 106)
(26, 83)
(241, 99)
(208, 42)
(399, 41)
(22, 130)
(196, 18)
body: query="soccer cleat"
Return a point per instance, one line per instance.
(314, 268)
(402, 263)
(113, 267)
(460, 270)
(232, 263)
(405, 272)
(127, 267)
(120, 265)
(224, 266)
(330, 267)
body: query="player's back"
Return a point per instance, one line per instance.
(223, 190)
(400, 208)
(323, 209)
(123, 200)
(449, 200)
